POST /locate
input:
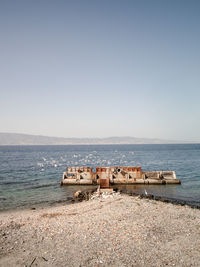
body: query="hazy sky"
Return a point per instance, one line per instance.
(100, 68)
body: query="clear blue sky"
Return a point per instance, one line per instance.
(100, 68)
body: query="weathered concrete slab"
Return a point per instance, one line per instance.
(106, 176)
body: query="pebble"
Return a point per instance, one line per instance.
(108, 230)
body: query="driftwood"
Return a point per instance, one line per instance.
(32, 261)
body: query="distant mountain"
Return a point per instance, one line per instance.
(26, 139)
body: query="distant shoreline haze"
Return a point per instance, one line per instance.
(27, 139)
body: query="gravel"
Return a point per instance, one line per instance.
(116, 230)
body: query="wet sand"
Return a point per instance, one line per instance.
(118, 230)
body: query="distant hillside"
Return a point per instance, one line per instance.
(26, 139)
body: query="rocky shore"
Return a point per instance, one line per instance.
(108, 230)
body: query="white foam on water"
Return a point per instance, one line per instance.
(40, 164)
(62, 158)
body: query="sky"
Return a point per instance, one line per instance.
(100, 68)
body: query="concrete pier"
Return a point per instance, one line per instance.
(106, 176)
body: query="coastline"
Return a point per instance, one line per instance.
(117, 231)
(70, 200)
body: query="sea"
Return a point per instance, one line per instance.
(30, 175)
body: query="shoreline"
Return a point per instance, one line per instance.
(121, 230)
(71, 200)
(173, 201)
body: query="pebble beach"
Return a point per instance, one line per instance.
(115, 230)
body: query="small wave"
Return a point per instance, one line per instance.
(40, 164)
(12, 182)
(44, 185)
(36, 186)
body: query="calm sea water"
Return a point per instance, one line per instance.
(30, 175)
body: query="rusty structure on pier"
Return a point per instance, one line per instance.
(106, 176)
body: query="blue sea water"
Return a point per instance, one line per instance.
(30, 175)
